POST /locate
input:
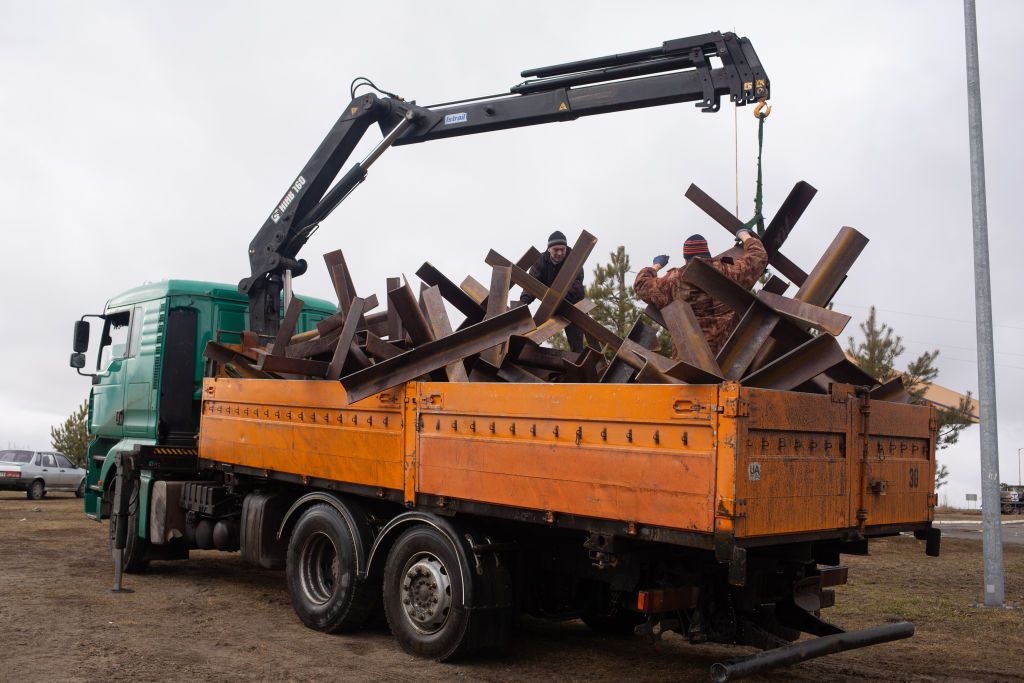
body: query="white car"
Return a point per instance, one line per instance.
(35, 473)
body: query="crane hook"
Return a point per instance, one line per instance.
(762, 105)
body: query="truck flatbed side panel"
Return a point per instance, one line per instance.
(898, 473)
(304, 428)
(639, 453)
(802, 464)
(793, 469)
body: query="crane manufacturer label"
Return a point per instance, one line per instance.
(754, 471)
(288, 198)
(454, 118)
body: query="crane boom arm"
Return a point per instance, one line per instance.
(679, 71)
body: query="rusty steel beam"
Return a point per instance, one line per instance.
(314, 347)
(346, 338)
(522, 350)
(529, 259)
(291, 366)
(284, 333)
(484, 372)
(437, 316)
(334, 322)
(654, 314)
(225, 355)
(619, 371)
(805, 313)
(497, 303)
(746, 339)
(557, 323)
(512, 372)
(463, 302)
(436, 354)
(716, 211)
(691, 346)
(408, 310)
(474, 290)
(380, 349)
(649, 374)
(585, 370)
(719, 287)
(377, 322)
(775, 285)
(789, 213)
(799, 365)
(892, 391)
(566, 274)
(574, 315)
(791, 270)
(395, 331)
(830, 271)
(341, 279)
(733, 224)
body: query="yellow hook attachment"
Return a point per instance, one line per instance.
(762, 105)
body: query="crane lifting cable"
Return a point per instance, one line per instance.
(761, 111)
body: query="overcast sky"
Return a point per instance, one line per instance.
(143, 141)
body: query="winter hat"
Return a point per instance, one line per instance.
(556, 238)
(695, 245)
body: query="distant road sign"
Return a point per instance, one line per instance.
(972, 497)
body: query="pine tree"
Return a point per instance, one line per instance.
(876, 354)
(72, 437)
(612, 292)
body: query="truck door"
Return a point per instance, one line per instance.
(108, 386)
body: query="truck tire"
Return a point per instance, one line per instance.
(36, 490)
(134, 548)
(321, 573)
(423, 597)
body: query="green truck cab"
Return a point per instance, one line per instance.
(149, 369)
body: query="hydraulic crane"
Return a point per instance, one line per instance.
(699, 69)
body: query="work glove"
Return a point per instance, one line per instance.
(750, 232)
(661, 260)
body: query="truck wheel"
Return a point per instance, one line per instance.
(321, 573)
(134, 548)
(1007, 509)
(423, 597)
(36, 490)
(80, 491)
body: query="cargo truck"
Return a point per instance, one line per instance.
(718, 511)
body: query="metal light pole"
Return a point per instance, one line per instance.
(992, 540)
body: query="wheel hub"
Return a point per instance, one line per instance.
(426, 593)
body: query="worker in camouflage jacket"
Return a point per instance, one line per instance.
(546, 270)
(716, 319)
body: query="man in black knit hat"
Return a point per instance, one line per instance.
(546, 270)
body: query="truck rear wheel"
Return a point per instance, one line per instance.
(321, 570)
(423, 599)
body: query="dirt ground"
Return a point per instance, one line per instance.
(215, 619)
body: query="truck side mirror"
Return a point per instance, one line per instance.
(81, 343)
(78, 360)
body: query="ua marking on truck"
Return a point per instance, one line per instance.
(754, 471)
(455, 118)
(288, 198)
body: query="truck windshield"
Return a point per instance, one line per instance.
(15, 456)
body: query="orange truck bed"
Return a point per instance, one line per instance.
(701, 459)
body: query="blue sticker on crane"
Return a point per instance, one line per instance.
(455, 118)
